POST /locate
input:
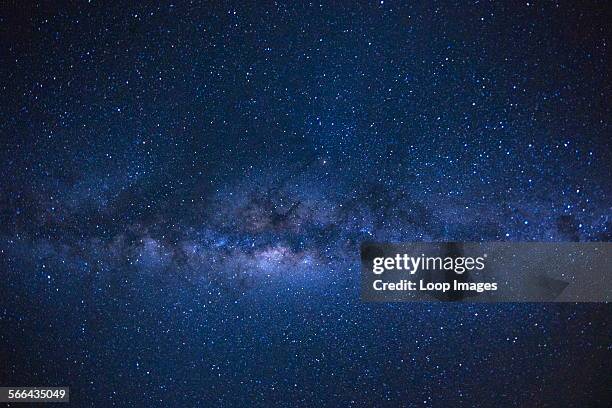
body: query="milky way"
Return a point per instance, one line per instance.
(185, 188)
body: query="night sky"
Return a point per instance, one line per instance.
(184, 189)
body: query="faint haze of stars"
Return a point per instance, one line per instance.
(185, 188)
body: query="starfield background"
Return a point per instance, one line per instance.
(184, 188)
